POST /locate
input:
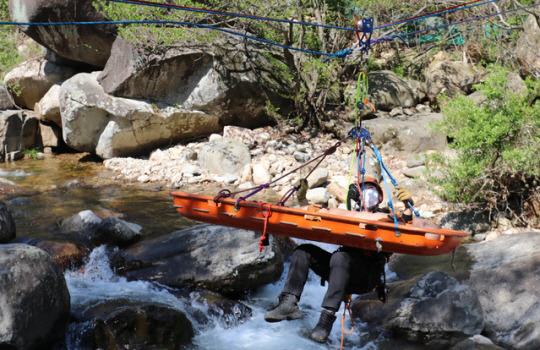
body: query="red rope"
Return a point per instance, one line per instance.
(266, 215)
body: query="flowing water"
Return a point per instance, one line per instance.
(41, 193)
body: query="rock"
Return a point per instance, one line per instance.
(414, 160)
(388, 91)
(506, 275)
(318, 177)
(9, 187)
(7, 224)
(447, 77)
(96, 122)
(192, 169)
(415, 172)
(419, 89)
(476, 342)
(479, 237)
(478, 98)
(34, 78)
(467, 221)
(528, 45)
(217, 258)
(223, 156)
(66, 255)
(195, 76)
(83, 225)
(117, 231)
(412, 135)
(433, 306)
(17, 132)
(319, 195)
(244, 135)
(49, 106)
(34, 298)
(51, 135)
(516, 84)
(336, 190)
(6, 101)
(260, 174)
(301, 157)
(122, 325)
(90, 44)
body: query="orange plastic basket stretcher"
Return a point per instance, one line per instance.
(317, 224)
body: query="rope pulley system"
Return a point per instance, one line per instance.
(364, 29)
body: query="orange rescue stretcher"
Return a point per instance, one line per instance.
(373, 231)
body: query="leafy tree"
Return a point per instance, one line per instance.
(497, 144)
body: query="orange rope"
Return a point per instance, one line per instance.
(348, 302)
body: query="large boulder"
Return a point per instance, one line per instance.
(34, 298)
(196, 77)
(506, 276)
(48, 107)
(388, 91)
(430, 307)
(444, 76)
(86, 227)
(94, 121)
(224, 156)
(18, 131)
(90, 44)
(124, 325)
(217, 258)
(411, 135)
(7, 224)
(31, 80)
(528, 46)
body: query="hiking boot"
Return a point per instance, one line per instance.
(287, 309)
(322, 330)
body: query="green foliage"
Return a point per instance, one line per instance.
(9, 36)
(497, 146)
(31, 152)
(9, 56)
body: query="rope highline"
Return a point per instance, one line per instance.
(231, 14)
(341, 54)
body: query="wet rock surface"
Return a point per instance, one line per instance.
(34, 299)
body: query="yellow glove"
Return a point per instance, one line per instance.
(404, 196)
(301, 189)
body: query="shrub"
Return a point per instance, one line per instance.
(497, 144)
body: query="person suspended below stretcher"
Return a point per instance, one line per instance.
(347, 270)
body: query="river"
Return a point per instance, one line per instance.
(50, 190)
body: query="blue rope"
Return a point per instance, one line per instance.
(343, 53)
(235, 15)
(434, 14)
(169, 22)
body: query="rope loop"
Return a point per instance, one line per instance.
(224, 193)
(347, 308)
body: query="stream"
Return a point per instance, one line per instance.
(42, 192)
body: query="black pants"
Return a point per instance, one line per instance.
(347, 270)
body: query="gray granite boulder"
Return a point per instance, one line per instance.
(217, 258)
(34, 299)
(89, 44)
(94, 121)
(506, 276)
